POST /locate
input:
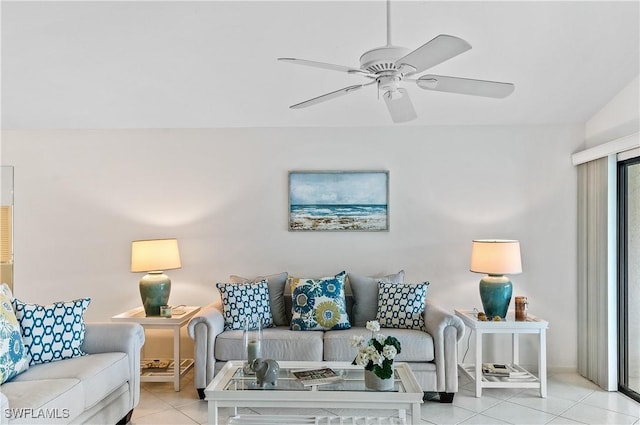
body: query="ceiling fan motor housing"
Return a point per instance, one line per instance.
(382, 58)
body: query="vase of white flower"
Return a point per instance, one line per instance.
(376, 355)
(373, 382)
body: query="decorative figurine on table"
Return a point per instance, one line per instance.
(266, 371)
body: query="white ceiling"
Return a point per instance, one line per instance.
(143, 64)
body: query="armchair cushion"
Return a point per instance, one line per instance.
(401, 305)
(52, 332)
(242, 301)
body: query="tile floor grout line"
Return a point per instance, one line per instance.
(571, 392)
(575, 403)
(609, 410)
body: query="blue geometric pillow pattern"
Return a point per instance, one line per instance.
(401, 305)
(242, 301)
(276, 283)
(13, 355)
(318, 304)
(52, 332)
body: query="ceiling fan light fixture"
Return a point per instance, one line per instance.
(400, 106)
(389, 83)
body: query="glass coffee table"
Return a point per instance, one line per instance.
(232, 388)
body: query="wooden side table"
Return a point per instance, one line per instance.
(532, 325)
(179, 318)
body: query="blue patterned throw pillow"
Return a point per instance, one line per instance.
(242, 301)
(401, 305)
(52, 332)
(318, 304)
(13, 355)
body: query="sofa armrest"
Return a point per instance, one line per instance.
(203, 329)
(4, 405)
(127, 338)
(446, 329)
(110, 337)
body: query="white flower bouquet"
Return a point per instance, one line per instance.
(377, 353)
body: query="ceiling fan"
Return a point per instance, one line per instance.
(388, 66)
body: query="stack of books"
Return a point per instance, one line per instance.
(503, 371)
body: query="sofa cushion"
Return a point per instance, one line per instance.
(365, 295)
(52, 332)
(277, 284)
(99, 374)
(319, 304)
(13, 355)
(417, 346)
(277, 343)
(401, 305)
(44, 401)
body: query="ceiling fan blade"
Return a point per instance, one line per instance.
(400, 106)
(465, 86)
(323, 65)
(436, 51)
(327, 96)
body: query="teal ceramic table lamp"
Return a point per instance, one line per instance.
(153, 256)
(496, 258)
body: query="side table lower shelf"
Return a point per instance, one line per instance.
(529, 380)
(166, 374)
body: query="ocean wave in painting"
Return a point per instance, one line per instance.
(338, 217)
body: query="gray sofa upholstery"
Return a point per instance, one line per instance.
(102, 387)
(432, 354)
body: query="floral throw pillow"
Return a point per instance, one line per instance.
(52, 332)
(401, 305)
(318, 304)
(13, 355)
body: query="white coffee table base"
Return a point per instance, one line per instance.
(408, 399)
(314, 420)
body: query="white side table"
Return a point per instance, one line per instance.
(179, 318)
(532, 325)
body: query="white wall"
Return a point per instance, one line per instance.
(618, 118)
(82, 196)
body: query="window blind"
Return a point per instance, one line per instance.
(5, 234)
(597, 359)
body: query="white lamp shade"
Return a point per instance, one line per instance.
(496, 257)
(155, 255)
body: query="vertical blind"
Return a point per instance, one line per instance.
(596, 269)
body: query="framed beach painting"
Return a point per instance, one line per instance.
(339, 201)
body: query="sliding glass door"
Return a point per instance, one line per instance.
(629, 276)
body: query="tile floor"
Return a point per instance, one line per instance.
(571, 400)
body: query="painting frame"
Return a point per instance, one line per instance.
(338, 201)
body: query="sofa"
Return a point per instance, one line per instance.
(57, 369)
(101, 387)
(429, 346)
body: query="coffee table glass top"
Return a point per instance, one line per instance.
(352, 379)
